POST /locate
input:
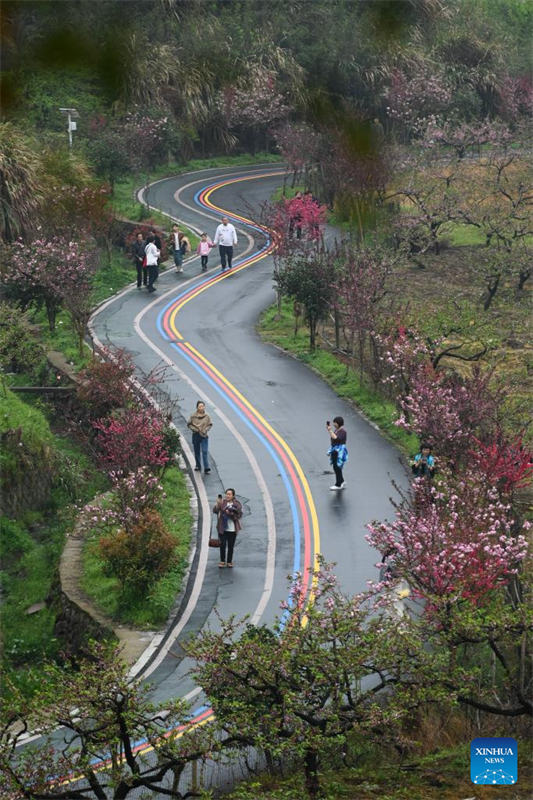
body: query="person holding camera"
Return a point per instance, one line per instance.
(423, 464)
(338, 453)
(229, 512)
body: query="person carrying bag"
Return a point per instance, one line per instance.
(229, 511)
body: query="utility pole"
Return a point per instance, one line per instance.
(72, 115)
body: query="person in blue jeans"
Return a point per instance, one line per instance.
(200, 424)
(338, 452)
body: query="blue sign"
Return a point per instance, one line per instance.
(493, 761)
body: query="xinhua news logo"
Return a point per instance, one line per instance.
(493, 761)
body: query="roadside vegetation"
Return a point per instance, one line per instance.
(125, 603)
(44, 474)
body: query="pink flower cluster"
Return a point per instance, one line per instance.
(254, 101)
(132, 494)
(131, 439)
(412, 97)
(460, 545)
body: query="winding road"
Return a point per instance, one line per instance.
(269, 411)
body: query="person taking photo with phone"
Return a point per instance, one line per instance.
(338, 452)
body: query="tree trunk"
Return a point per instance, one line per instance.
(361, 351)
(337, 329)
(312, 333)
(522, 278)
(108, 251)
(491, 289)
(312, 783)
(51, 312)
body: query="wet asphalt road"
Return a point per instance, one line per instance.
(220, 325)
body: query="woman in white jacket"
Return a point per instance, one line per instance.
(152, 254)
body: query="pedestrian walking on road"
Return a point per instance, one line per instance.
(338, 453)
(229, 511)
(152, 257)
(138, 251)
(200, 424)
(158, 243)
(180, 244)
(203, 249)
(226, 238)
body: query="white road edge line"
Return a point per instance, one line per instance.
(267, 499)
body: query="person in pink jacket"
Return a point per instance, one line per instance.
(203, 249)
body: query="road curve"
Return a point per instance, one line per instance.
(269, 411)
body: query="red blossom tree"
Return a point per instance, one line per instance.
(295, 223)
(507, 462)
(104, 384)
(131, 439)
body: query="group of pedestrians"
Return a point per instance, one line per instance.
(147, 255)
(225, 238)
(228, 509)
(147, 252)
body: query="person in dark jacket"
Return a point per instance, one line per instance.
(138, 251)
(229, 511)
(338, 453)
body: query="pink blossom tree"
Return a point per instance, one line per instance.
(45, 272)
(133, 494)
(464, 137)
(131, 439)
(460, 545)
(415, 98)
(515, 98)
(361, 284)
(299, 144)
(77, 272)
(255, 103)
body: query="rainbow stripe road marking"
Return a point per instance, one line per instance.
(300, 498)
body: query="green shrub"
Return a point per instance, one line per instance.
(19, 351)
(138, 556)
